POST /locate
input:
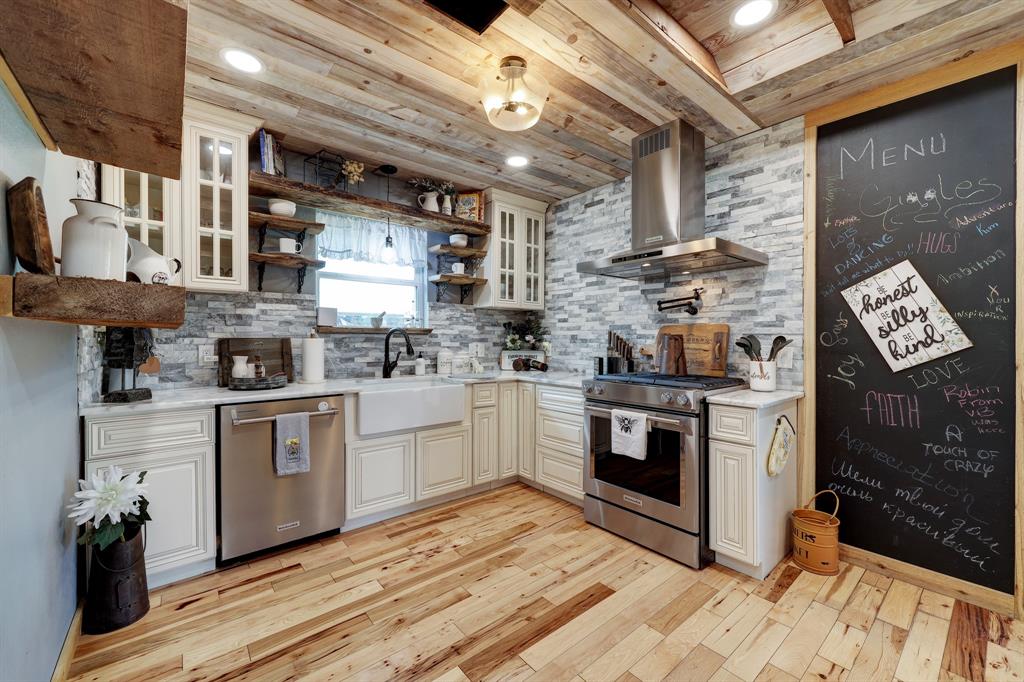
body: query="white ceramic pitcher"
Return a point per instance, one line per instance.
(428, 201)
(149, 266)
(94, 243)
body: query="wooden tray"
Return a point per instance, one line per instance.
(706, 347)
(29, 227)
(276, 353)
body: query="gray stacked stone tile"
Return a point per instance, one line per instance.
(754, 188)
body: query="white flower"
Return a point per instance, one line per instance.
(529, 338)
(111, 494)
(546, 347)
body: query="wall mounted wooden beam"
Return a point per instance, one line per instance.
(842, 17)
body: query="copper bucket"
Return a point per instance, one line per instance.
(816, 538)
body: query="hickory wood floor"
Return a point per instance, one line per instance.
(513, 585)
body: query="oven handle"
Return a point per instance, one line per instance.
(676, 423)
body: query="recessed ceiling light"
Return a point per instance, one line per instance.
(753, 12)
(241, 60)
(517, 161)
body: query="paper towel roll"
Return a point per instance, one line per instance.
(312, 360)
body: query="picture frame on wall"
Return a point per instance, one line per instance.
(470, 205)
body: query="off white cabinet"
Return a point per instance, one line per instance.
(176, 450)
(508, 429)
(748, 510)
(527, 430)
(444, 461)
(485, 444)
(558, 433)
(215, 198)
(151, 204)
(514, 265)
(380, 474)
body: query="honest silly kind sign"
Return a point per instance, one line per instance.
(904, 319)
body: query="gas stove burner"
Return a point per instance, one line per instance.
(674, 381)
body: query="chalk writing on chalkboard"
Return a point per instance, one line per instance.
(914, 328)
(904, 319)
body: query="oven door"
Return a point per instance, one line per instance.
(665, 485)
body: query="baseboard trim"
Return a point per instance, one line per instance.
(67, 651)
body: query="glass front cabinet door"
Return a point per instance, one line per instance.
(151, 207)
(214, 193)
(514, 265)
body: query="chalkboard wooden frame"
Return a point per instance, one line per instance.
(975, 65)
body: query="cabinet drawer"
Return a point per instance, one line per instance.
(735, 424)
(564, 399)
(485, 395)
(560, 471)
(125, 435)
(560, 430)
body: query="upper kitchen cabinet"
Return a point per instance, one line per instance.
(100, 80)
(214, 198)
(514, 265)
(151, 204)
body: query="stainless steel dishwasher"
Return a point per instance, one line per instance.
(259, 509)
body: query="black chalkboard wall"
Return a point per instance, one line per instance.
(923, 457)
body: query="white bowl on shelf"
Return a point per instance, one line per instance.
(459, 240)
(281, 207)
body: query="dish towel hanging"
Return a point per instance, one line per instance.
(629, 434)
(291, 443)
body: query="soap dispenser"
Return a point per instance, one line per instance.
(421, 365)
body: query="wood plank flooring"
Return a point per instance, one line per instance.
(514, 585)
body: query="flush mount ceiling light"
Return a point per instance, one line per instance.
(512, 97)
(517, 161)
(753, 12)
(241, 60)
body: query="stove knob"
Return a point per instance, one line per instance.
(599, 390)
(666, 397)
(682, 400)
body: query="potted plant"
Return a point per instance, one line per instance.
(111, 510)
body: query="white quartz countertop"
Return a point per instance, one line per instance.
(203, 397)
(755, 399)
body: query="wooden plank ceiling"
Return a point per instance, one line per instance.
(394, 81)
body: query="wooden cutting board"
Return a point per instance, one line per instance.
(29, 228)
(706, 347)
(276, 354)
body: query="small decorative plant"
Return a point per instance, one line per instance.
(527, 335)
(352, 171)
(432, 185)
(111, 506)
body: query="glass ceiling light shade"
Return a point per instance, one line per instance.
(513, 97)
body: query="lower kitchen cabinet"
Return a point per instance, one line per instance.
(380, 474)
(444, 461)
(527, 430)
(561, 471)
(731, 513)
(182, 496)
(485, 444)
(508, 429)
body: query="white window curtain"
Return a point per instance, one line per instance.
(362, 239)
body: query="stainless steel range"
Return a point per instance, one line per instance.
(661, 501)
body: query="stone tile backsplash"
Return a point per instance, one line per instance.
(754, 188)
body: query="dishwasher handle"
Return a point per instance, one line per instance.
(235, 421)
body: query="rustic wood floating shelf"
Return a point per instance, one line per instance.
(457, 251)
(262, 184)
(411, 331)
(83, 300)
(464, 282)
(293, 261)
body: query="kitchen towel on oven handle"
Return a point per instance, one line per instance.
(629, 434)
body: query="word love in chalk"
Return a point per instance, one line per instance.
(905, 320)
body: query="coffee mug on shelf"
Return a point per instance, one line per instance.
(459, 268)
(289, 245)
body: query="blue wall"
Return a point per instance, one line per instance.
(39, 446)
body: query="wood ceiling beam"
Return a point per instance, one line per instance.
(842, 17)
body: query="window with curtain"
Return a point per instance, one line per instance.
(358, 282)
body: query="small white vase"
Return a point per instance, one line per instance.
(240, 370)
(446, 205)
(762, 375)
(428, 201)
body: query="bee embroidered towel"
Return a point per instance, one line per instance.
(291, 443)
(629, 434)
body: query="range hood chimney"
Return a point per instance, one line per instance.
(668, 213)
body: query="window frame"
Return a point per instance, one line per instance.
(419, 282)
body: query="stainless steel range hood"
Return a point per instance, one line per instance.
(668, 213)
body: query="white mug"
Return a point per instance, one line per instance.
(458, 268)
(289, 245)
